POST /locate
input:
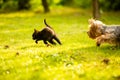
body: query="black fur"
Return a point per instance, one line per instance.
(47, 34)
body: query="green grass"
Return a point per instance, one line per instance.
(77, 59)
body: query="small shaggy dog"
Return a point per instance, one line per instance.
(103, 33)
(47, 34)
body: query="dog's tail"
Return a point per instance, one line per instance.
(47, 24)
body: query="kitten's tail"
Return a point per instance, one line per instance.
(47, 24)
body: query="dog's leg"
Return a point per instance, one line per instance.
(108, 38)
(98, 44)
(100, 40)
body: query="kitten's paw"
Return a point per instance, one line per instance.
(36, 42)
(48, 45)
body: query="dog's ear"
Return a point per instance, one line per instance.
(92, 24)
(91, 21)
(95, 19)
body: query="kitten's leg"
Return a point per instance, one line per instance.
(45, 42)
(36, 41)
(52, 42)
(56, 38)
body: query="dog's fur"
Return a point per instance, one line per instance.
(103, 33)
(46, 34)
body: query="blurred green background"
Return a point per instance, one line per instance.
(77, 59)
(16, 5)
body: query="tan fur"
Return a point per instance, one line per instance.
(102, 33)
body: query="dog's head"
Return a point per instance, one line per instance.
(95, 28)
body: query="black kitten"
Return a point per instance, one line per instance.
(46, 34)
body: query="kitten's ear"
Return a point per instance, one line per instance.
(35, 30)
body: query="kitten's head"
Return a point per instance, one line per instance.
(34, 35)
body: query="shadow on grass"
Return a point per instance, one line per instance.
(92, 53)
(103, 49)
(32, 46)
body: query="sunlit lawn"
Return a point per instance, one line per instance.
(77, 59)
